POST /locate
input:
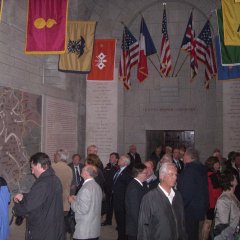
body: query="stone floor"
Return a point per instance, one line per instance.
(17, 232)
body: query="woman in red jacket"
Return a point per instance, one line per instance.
(214, 189)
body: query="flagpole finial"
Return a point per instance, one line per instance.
(213, 11)
(210, 16)
(123, 23)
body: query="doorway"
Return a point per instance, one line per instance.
(173, 138)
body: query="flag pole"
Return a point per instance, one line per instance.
(155, 66)
(179, 51)
(181, 65)
(123, 23)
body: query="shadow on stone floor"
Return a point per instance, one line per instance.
(18, 232)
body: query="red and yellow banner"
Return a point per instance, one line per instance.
(103, 60)
(78, 57)
(46, 26)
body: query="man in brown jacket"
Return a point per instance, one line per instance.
(64, 172)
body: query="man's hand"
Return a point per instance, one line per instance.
(72, 199)
(18, 198)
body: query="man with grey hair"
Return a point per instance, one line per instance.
(134, 156)
(64, 172)
(121, 180)
(193, 185)
(92, 149)
(164, 217)
(87, 206)
(165, 158)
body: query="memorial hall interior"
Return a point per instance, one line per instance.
(72, 113)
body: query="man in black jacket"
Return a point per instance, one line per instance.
(108, 173)
(76, 167)
(193, 185)
(43, 205)
(134, 156)
(134, 193)
(120, 181)
(161, 213)
(176, 160)
(152, 180)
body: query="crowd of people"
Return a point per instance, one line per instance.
(170, 196)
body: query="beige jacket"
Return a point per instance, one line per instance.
(64, 172)
(227, 212)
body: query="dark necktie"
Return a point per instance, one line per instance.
(179, 165)
(78, 178)
(116, 176)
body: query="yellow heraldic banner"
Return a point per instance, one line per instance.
(80, 39)
(231, 22)
(1, 8)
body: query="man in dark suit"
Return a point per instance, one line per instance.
(176, 160)
(134, 193)
(193, 186)
(109, 172)
(156, 155)
(120, 182)
(76, 167)
(134, 156)
(152, 180)
(161, 213)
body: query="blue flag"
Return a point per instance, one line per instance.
(150, 47)
(225, 72)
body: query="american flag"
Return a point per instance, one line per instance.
(129, 56)
(189, 44)
(205, 52)
(165, 55)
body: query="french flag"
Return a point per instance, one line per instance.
(146, 48)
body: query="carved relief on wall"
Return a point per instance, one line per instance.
(20, 136)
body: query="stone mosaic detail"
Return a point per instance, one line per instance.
(20, 136)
